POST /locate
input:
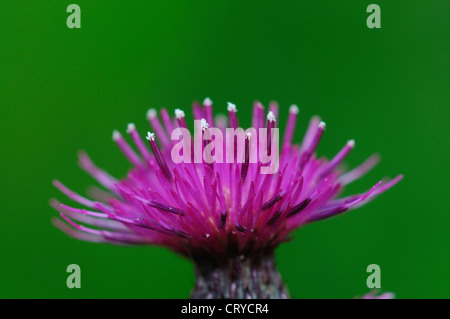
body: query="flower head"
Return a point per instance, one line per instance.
(218, 208)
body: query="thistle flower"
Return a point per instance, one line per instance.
(226, 217)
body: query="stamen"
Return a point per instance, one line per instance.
(108, 235)
(273, 107)
(360, 170)
(271, 202)
(152, 117)
(72, 195)
(388, 185)
(204, 125)
(131, 129)
(166, 208)
(207, 104)
(244, 169)
(179, 115)
(150, 136)
(290, 128)
(313, 145)
(158, 155)
(258, 115)
(151, 114)
(57, 222)
(167, 121)
(270, 125)
(81, 227)
(231, 107)
(271, 117)
(232, 114)
(82, 211)
(126, 149)
(116, 135)
(309, 134)
(338, 158)
(298, 208)
(100, 175)
(294, 109)
(322, 125)
(346, 205)
(206, 136)
(197, 110)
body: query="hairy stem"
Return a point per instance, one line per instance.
(254, 277)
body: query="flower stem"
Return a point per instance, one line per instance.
(250, 277)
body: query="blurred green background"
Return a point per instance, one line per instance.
(63, 89)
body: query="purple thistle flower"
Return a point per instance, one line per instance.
(221, 215)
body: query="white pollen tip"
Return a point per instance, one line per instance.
(248, 136)
(204, 124)
(231, 107)
(151, 114)
(294, 109)
(150, 136)
(130, 127)
(271, 117)
(207, 102)
(351, 143)
(322, 125)
(116, 135)
(179, 113)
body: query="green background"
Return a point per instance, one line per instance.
(63, 89)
